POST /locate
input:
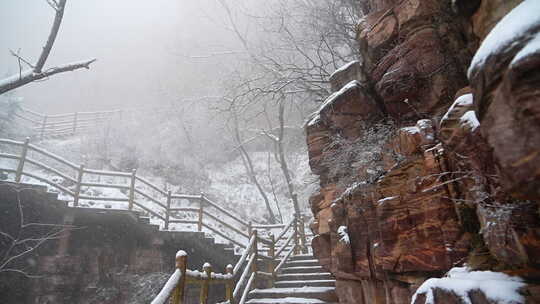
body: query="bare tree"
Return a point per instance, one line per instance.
(250, 170)
(36, 71)
(280, 155)
(305, 41)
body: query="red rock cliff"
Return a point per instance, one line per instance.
(425, 164)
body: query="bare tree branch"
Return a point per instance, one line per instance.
(28, 76)
(52, 36)
(36, 72)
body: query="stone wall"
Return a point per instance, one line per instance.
(455, 182)
(110, 256)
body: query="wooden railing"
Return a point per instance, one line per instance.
(272, 251)
(138, 194)
(242, 278)
(59, 125)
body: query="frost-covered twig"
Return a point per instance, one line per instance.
(36, 71)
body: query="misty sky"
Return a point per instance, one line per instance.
(141, 47)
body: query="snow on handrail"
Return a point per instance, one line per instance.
(168, 289)
(285, 259)
(244, 255)
(11, 142)
(215, 218)
(286, 229)
(149, 184)
(223, 235)
(107, 173)
(235, 217)
(51, 183)
(53, 156)
(269, 226)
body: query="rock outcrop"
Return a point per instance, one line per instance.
(428, 161)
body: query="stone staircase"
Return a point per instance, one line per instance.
(302, 281)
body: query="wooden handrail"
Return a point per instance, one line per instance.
(287, 243)
(45, 125)
(149, 197)
(223, 235)
(107, 173)
(11, 142)
(150, 211)
(50, 183)
(149, 184)
(101, 185)
(206, 213)
(165, 212)
(244, 256)
(284, 260)
(248, 262)
(269, 226)
(184, 209)
(235, 217)
(53, 170)
(285, 230)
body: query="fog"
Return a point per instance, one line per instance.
(145, 51)
(212, 95)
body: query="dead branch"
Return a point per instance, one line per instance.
(36, 72)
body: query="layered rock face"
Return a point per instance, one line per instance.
(426, 161)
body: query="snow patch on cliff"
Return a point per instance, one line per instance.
(344, 67)
(463, 100)
(531, 48)
(508, 31)
(344, 236)
(469, 119)
(498, 287)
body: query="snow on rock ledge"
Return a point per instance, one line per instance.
(350, 71)
(461, 282)
(316, 116)
(518, 26)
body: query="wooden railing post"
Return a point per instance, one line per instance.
(201, 213)
(181, 265)
(302, 232)
(207, 269)
(132, 189)
(75, 122)
(272, 254)
(77, 192)
(250, 229)
(20, 166)
(255, 252)
(167, 215)
(296, 245)
(43, 124)
(229, 286)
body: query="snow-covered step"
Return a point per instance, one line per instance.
(299, 257)
(287, 300)
(327, 294)
(305, 276)
(313, 262)
(314, 283)
(302, 269)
